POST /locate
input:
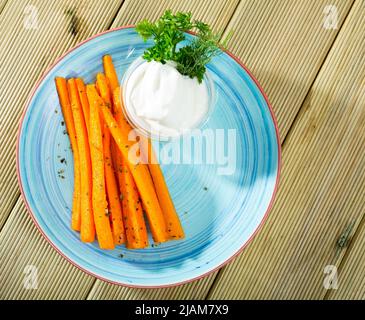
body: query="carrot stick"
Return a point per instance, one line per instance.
(116, 155)
(116, 158)
(102, 84)
(117, 107)
(111, 182)
(85, 108)
(101, 216)
(172, 220)
(135, 227)
(84, 102)
(112, 77)
(113, 82)
(110, 72)
(113, 194)
(87, 220)
(139, 171)
(62, 91)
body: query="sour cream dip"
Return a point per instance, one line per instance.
(162, 101)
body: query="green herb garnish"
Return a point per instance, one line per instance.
(168, 32)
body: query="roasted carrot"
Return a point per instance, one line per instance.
(84, 102)
(110, 72)
(112, 77)
(117, 106)
(139, 171)
(113, 82)
(76, 198)
(135, 226)
(174, 228)
(113, 194)
(117, 113)
(117, 162)
(172, 220)
(85, 106)
(116, 155)
(102, 84)
(111, 183)
(99, 203)
(63, 95)
(87, 219)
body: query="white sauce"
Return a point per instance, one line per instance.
(161, 100)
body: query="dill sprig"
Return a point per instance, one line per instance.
(169, 31)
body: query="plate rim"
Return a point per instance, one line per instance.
(205, 274)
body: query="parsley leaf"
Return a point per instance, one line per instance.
(169, 31)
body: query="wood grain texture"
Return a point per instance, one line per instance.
(2, 5)
(322, 184)
(284, 44)
(23, 246)
(193, 290)
(26, 53)
(33, 35)
(351, 277)
(217, 14)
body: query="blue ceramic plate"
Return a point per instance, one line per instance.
(219, 213)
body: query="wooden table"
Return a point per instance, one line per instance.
(310, 59)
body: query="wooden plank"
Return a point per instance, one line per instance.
(33, 35)
(322, 184)
(351, 278)
(216, 13)
(26, 54)
(284, 44)
(193, 290)
(2, 5)
(22, 247)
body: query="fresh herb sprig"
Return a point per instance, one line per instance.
(168, 32)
